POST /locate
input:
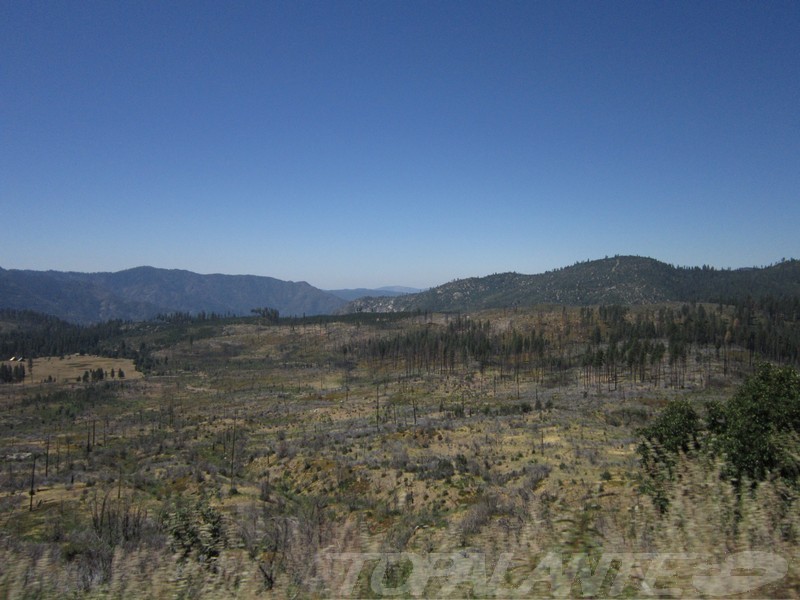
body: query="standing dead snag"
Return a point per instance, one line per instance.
(233, 448)
(33, 475)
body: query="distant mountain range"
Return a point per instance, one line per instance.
(617, 280)
(354, 294)
(145, 292)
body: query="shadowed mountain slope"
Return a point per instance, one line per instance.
(144, 292)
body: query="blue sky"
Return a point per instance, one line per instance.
(380, 143)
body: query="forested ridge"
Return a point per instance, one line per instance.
(626, 280)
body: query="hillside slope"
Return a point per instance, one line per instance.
(617, 280)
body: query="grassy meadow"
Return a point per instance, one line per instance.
(70, 368)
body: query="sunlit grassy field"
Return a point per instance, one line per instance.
(71, 368)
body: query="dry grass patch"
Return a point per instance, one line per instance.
(72, 367)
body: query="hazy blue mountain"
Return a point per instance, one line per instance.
(400, 289)
(390, 291)
(143, 292)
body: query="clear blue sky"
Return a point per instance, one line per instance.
(397, 142)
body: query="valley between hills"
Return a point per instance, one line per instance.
(145, 293)
(525, 450)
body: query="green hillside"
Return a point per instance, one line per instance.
(618, 280)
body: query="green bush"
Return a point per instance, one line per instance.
(762, 421)
(674, 430)
(195, 530)
(756, 433)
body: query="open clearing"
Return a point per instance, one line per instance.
(71, 368)
(250, 452)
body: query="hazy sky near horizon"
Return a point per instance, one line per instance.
(383, 142)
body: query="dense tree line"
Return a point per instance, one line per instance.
(654, 345)
(12, 374)
(32, 334)
(768, 326)
(462, 343)
(189, 317)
